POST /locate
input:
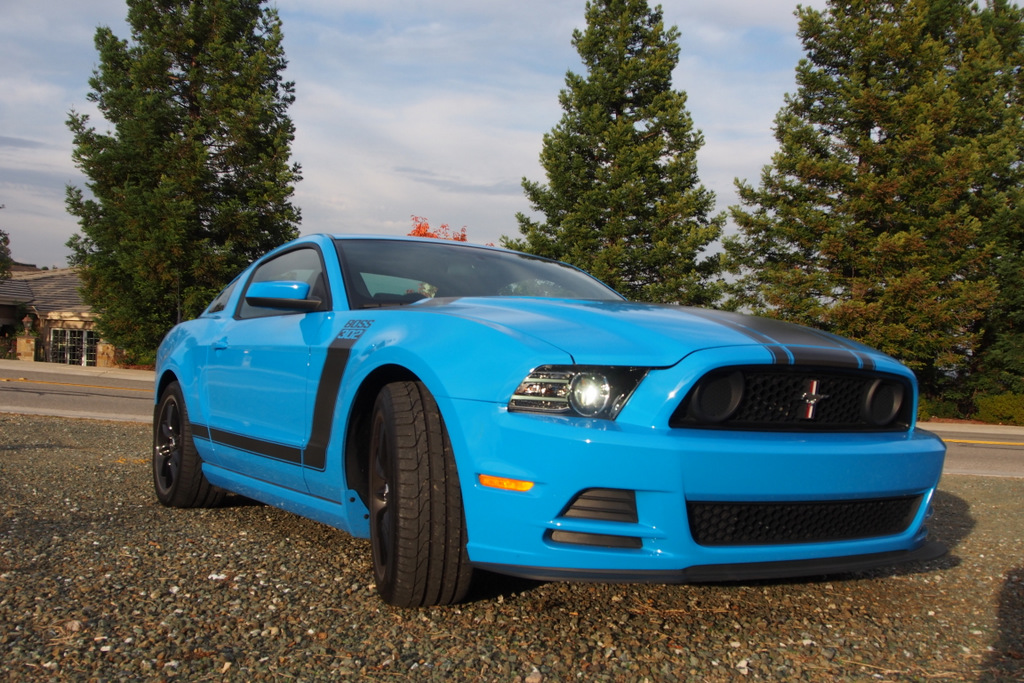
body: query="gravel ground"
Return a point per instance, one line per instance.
(99, 582)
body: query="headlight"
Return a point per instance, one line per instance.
(581, 390)
(589, 393)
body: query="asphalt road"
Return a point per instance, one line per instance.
(127, 395)
(71, 391)
(982, 450)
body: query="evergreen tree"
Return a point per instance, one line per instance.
(194, 181)
(623, 200)
(5, 255)
(1002, 358)
(878, 216)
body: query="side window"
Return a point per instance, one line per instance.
(221, 302)
(298, 265)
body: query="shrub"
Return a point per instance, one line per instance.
(929, 407)
(1001, 409)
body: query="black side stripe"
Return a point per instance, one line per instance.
(326, 400)
(267, 449)
(262, 447)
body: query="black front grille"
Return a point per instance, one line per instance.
(729, 524)
(773, 397)
(796, 399)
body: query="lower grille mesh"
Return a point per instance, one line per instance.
(727, 524)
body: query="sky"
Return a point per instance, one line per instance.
(433, 108)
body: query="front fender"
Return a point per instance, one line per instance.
(183, 354)
(454, 357)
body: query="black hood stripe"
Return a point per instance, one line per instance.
(792, 344)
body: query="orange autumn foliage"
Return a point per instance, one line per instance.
(421, 228)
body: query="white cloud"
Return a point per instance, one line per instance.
(403, 106)
(741, 14)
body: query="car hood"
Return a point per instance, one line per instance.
(651, 335)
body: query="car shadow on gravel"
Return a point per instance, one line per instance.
(951, 521)
(488, 586)
(234, 500)
(1006, 660)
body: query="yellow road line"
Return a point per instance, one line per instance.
(69, 384)
(984, 443)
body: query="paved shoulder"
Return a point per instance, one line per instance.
(11, 368)
(981, 450)
(72, 391)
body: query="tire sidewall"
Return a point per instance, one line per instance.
(383, 428)
(419, 557)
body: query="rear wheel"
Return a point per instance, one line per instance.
(417, 526)
(177, 468)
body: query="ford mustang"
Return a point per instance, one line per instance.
(467, 407)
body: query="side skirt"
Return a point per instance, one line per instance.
(352, 518)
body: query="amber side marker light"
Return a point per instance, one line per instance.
(504, 483)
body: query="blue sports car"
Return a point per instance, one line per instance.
(467, 407)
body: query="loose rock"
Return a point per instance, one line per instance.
(100, 582)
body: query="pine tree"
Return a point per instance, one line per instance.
(623, 200)
(876, 218)
(1001, 363)
(194, 180)
(5, 254)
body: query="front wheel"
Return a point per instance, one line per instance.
(417, 526)
(177, 468)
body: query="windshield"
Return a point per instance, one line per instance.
(389, 272)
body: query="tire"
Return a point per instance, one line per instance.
(417, 526)
(177, 468)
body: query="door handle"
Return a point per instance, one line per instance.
(220, 344)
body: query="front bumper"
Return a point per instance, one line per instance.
(663, 471)
(747, 571)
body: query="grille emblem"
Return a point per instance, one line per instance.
(811, 399)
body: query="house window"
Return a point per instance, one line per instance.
(73, 347)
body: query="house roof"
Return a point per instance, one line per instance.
(14, 292)
(45, 291)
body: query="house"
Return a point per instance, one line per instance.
(13, 295)
(58, 326)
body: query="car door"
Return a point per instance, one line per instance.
(257, 374)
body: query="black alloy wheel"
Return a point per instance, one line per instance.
(177, 468)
